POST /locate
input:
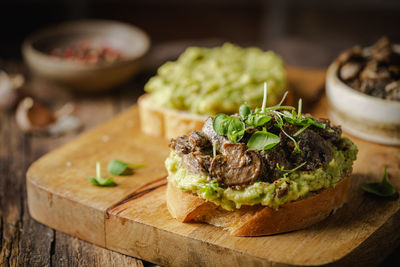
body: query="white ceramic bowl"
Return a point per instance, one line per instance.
(364, 116)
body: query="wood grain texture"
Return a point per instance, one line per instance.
(136, 221)
(24, 241)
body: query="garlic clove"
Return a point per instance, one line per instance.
(31, 115)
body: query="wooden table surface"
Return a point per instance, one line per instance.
(25, 242)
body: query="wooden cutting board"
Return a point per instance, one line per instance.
(132, 217)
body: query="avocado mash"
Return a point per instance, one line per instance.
(217, 80)
(297, 184)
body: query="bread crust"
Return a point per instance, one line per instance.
(258, 220)
(168, 123)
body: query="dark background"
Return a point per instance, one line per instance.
(305, 33)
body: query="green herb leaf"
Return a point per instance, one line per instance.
(219, 124)
(236, 136)
(236, 129)
(263, 140)
(244, 111)
(100, 181)
(298, 121)
(382, 189)
(258, 120)
(118, 167)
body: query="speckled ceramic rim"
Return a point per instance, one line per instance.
(28, 44)
(362, 115)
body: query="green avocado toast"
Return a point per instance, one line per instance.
(268, 156)
(217, 80)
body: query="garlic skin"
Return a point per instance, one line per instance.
(8, 90)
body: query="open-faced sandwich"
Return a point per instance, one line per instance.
(260, 172)
(208, 81)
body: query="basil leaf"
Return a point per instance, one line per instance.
(118, 167)
(235, 129)
(219, 124)
(382, 189)
(101, 181)
(258, 120)
(263, 140)
(244, 111)
(236, 136)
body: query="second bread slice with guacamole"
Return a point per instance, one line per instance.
(208, 81)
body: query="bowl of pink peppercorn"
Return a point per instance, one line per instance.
(87, 55)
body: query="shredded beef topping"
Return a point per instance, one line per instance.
(235, 165)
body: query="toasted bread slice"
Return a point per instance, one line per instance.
(258, 220)
(164, 122)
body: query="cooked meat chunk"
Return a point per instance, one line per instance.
(393, 90)
(199, 139)
(196, 141)
(315, 150)
(331, 133)
(350, 70)
(270, 159)
(181, 145)
(196, 162)
(382, 50)
(237, 166)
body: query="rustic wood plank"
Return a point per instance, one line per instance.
(142, 226)
(70, 251)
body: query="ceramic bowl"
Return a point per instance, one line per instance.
(129, 40)
(364, 116)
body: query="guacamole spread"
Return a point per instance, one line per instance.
(217, 80)
(296, 185)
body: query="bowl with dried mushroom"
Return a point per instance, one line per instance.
(363, 90)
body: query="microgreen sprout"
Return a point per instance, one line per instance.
(235, 127)
(264, 103)
(287, 172)
(99, 180)
(214, 149)
(299, 109)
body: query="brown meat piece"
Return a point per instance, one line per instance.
(350, 70)
(393, 91)
(271, 158)
(181, 145)
(237, 166)
(382, 50)
(196, 162)
(315, 150)
(198, 139)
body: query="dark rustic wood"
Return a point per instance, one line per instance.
(25, 242)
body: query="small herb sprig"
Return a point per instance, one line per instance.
(234, 127)
(99, 180)
(118, 167)
(287, 172)
(382, 189)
